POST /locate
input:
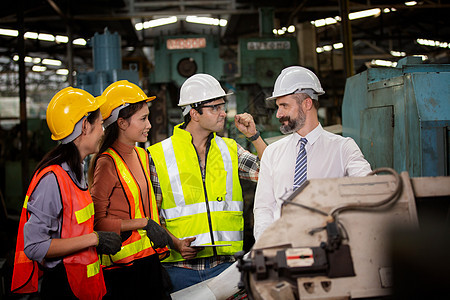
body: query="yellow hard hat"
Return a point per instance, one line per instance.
(68, 107)
(120, 93)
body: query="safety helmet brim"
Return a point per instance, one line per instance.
(206, 100)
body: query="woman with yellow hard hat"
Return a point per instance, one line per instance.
(56, 225)
(124, 200)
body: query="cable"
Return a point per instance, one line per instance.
(391, 199)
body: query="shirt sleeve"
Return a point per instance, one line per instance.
(265, 202)
(44, 224)
(101, 190)
(156, 187)
(355, 163)
(248, 164)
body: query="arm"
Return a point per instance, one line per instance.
(355, 163)
(42, 230)
(183, 246)
(103, 183)
(245, 123)
(64, 247)
(265, 202)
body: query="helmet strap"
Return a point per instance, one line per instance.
(310, 92)
(78, 128)
(114, 115)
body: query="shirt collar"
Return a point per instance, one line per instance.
(312, 136)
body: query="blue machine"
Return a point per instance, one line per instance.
(400, 116)
(107, 58)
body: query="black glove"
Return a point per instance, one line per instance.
(108, 242)
(158, 235)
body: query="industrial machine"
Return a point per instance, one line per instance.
(107, 57)
(347, 238)
(178, 57)
(260, 61)
(400, 116)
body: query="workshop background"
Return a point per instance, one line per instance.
(384, 65)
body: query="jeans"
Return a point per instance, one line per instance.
(182, 277)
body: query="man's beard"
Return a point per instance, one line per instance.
(293, 124)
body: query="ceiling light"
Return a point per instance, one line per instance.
(398, 53)
(207, 21)
(31, 35)
(338, 46)
(46, 37)
(79, 41)
(51, 62)
(36, 68)
(155, 23)
(291, 29)
(280, 31)
(410, 3)
(364, 13)
(432, 43)
(62, 72)
(61, 39)
(9, 32)
(383, 63)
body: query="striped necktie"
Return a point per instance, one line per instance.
(300, 165)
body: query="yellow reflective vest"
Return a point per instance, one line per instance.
(138, 245)
(212, 210)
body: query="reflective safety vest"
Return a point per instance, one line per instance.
(83, 268)
(137, 245)
(212, 210)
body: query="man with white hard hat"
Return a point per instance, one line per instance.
(197, 183)
(309, 152)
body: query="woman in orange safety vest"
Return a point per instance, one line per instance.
(124, 200)
(56, 238)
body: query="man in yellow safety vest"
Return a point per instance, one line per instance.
(196, 180)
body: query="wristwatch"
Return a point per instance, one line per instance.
(254, 137)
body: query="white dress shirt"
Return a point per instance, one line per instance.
(328, 156)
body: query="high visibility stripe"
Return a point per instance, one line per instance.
(223, 236)
(93, 269)
(128, 178)
(25, 203)
(198, 208)
(85, 214)
(172, 170)
(228, 166)
(133, 248)
(153, 206)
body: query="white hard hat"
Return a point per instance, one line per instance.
(199, 88)
(296, 79)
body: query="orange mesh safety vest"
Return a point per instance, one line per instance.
(83, 268)
(138, 245)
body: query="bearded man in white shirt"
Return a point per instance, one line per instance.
(323, 154)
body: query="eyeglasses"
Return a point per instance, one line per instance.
(216, 108)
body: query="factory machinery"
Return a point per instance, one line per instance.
(346, 238)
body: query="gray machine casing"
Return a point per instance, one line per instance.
(368, 234)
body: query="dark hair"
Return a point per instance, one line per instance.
(112, 133)
(187, 118)
(300, 97)
(67, 153)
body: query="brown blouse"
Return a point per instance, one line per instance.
(110, 203)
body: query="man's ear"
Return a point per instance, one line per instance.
(194, 115)
(308, 104)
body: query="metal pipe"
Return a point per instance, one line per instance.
(22, 96)
(346, 32)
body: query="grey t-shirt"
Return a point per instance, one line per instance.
(44, 224)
